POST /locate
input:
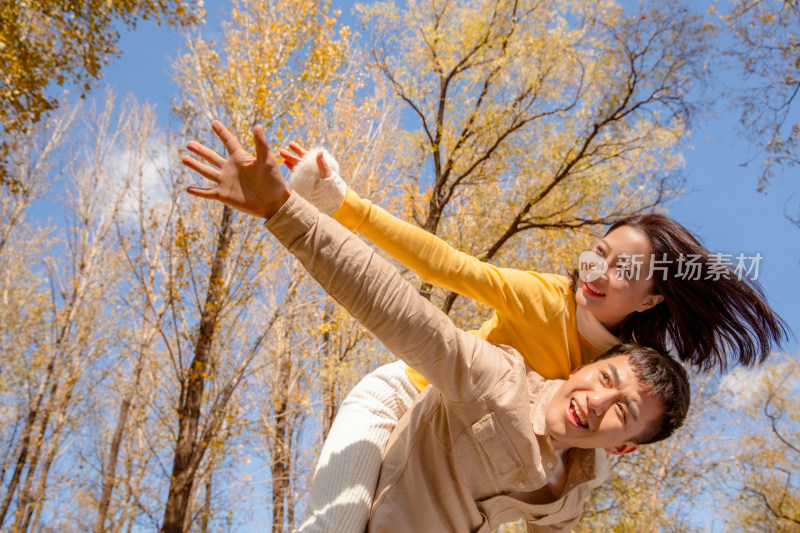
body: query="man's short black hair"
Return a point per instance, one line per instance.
(663, 377)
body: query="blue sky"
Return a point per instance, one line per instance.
(720, 204)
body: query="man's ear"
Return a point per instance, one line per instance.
(627, 447)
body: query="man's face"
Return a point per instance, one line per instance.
(601, 405)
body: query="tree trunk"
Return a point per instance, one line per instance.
(46, 384)
(38, 498)
(9, 450)
(31, 452)
(206, 515)
(290, 478)
(133, 483)
(110, 470)
(328, 404)
(280, 452)
(329, 384)
(279, 456)
(24, 444)
(57, 410)
(188, 452)
(23, 509)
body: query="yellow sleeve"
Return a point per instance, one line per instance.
(517, 295)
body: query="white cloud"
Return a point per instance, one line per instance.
(740, 385)
(145, 176)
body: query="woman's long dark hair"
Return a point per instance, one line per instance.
(701, 319)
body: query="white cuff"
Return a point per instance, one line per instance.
(326, 194)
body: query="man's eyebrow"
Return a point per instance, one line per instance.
(631, 407)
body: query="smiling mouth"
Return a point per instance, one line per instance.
(593, 291)
(577, 416)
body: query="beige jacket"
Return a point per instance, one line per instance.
(472, 453)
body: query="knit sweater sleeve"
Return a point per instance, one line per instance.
(515, 294)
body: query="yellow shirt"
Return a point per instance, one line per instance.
(534, 313)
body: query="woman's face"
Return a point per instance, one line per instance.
(625, 287)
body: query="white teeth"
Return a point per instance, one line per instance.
(595, 290)
(578, 412)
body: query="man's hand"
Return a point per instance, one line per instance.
(253, 185)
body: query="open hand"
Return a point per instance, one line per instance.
(253, 185)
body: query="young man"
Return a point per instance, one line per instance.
(491, 441)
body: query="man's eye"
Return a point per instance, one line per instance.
(621, 412)
(606, 377)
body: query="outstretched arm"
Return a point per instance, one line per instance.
(350, 271)
(520, 296)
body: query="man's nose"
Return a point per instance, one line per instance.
(601, 401)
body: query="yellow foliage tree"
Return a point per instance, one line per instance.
(73, 332)
(272, 65)
(764, 472)
(766, 45)
(535, 122)
(47, 42)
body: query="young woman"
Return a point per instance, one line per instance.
(556, 322)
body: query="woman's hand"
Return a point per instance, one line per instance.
(292, 159)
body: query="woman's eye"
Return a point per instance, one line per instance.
(606, 378)
(599, 251)
(621, 411)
